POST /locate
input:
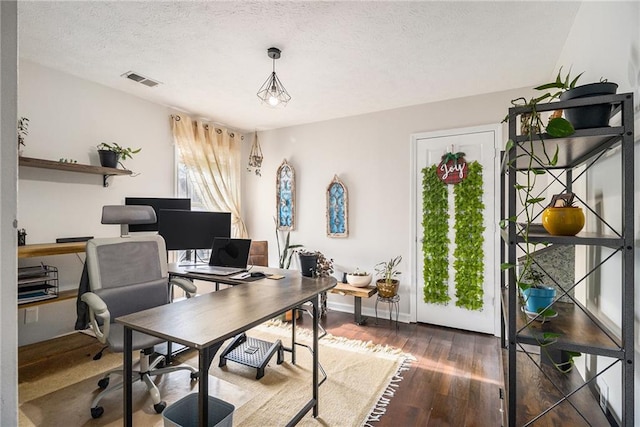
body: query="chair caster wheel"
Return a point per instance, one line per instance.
(97, 412)
(159, 407)
(195, 375)
(103, 383)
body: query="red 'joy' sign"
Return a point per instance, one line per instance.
(453, 168)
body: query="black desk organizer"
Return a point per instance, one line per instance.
(252, 352)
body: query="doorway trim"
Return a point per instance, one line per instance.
(414, 238)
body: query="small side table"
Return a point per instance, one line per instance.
(357, 293)
(394, 303)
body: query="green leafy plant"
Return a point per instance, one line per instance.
(435, 239)
(23, 130)
(561, 83)
(286, 250)
(388, 270)
(469, 253)
(124, 153)
(530, 201)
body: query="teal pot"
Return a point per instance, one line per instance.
(308, 264)
(591, 116)
(108, 159)
(538, 298)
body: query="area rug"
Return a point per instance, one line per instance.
(362, 378)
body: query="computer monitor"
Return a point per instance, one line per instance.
(187, 230)
(156, 203)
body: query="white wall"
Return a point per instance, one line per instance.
(68, 117)
(371, 155)
(605, 43)
(8, 237)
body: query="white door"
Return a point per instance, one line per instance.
(479, 144)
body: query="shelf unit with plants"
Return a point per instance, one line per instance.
(544, 385)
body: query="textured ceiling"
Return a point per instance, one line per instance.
(338, 58)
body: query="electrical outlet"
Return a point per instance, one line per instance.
(604, 395)
(31, 315)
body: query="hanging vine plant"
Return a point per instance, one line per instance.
(468, 253)
(435, 241)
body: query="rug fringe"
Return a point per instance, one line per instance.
(380, 407)
(333, 340)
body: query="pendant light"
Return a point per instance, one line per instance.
(272, 92)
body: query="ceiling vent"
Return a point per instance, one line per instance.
(140, 79)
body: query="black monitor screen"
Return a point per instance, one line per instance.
(185, 230)
(157, 204)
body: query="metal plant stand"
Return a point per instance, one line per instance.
(394, 304)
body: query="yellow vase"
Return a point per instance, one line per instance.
(567, 221)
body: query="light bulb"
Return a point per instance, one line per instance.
(273, 101)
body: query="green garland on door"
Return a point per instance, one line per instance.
(435, 241)
(468, 254)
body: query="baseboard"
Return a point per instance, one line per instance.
(383, 313)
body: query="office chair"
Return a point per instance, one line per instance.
(127, 275)
(259, 253)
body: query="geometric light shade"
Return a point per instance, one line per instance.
(272, 92)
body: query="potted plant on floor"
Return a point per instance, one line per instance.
(111, 154)
(387, 284)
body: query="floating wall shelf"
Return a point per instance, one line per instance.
(73, 167)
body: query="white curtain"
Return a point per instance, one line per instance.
(211, 155)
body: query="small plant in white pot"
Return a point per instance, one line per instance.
(359, 279)
(387, 284)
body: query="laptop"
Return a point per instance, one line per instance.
(228, 256)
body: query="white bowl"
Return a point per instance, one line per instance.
(358, 281)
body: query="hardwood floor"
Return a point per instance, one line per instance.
(455, 380)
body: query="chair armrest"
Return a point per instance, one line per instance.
(186, 285)
(98, 308)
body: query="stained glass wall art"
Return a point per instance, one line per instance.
(286, 196)
(337, 209)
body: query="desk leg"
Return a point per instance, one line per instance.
(204, 361)
(294, 315)
(357, 311)
(205, 357)
(127, 374)
(316, 319)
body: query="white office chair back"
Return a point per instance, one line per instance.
(129, 274)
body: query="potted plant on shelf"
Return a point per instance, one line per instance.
(111, 154)
(533, 161)
(387, 284)
(536, 296)
(562, 217)
(590, 116)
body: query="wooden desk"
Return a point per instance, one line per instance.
(206, 321)
(358, 293)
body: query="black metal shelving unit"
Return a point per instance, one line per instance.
(537, 393)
